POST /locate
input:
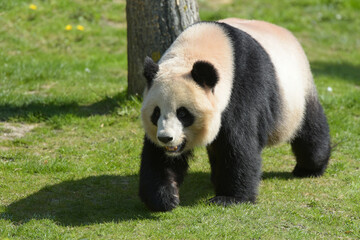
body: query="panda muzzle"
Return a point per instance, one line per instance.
(172, 149)
(175, 149)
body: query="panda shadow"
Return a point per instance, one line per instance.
(196, 187)
(277, 175)
(91, 200)
(105, 198)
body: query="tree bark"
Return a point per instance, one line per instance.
(152, 25)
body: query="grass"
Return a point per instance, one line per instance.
(75, 174)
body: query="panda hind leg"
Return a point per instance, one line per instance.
(311, 145)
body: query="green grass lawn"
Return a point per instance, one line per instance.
(70, 138)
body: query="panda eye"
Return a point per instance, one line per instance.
(185, 117)
(155, 115)
(182, 112)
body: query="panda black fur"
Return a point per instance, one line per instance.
(230, 86)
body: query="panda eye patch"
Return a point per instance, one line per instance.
(155, 115)
(185, 117)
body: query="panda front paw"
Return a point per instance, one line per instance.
(164, 199)
(227, 200)
(303, 172)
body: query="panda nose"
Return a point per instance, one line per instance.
(165, 139)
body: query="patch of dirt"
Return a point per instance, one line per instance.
(113, 24)
(222, 1)
(30, 92)
(3, 148)
(11, 131)
(43, 88)
(216, 3)
(48, 85)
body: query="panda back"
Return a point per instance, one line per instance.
(292, 69)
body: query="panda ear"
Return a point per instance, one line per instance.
(204, 74)
(150, 70)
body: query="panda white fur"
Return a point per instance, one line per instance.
(233, 86)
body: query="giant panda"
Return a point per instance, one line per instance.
(234, 86)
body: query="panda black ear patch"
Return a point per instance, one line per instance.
(204, 74)
(150, 70)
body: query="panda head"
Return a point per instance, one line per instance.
(179, 110)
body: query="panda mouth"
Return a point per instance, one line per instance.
(175, 149)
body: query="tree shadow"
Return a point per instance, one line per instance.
(39, 110)
(345, 70)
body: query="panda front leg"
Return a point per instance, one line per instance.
(235, 168)
(160, 177)
(311, 145)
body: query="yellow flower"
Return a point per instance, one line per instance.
(32, 6)
(80, 28)
(68, 27)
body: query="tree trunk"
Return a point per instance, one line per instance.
(152, 25)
